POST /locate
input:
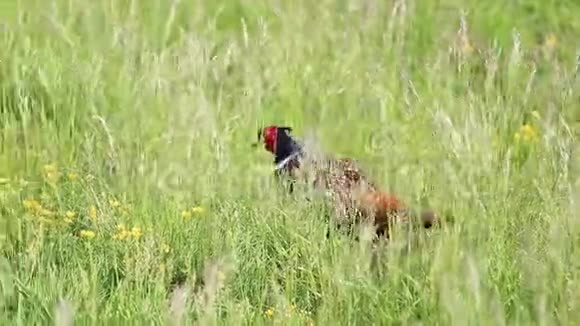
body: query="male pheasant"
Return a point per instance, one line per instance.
(354, 197)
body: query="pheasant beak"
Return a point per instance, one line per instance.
(257, 143)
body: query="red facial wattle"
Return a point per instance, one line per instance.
(270, 135)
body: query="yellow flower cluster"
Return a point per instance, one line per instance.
(117, 205)
(124, 233)
(33, 207)
(87, 234)
(527, 133)
(69, 217)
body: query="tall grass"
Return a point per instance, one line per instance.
(129, 192)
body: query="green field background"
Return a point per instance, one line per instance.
(130, 194)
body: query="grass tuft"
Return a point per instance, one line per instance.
(129, 190)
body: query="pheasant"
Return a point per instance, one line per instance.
(354, 197)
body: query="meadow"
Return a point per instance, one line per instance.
(130, 194)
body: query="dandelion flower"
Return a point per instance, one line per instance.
(87, 234)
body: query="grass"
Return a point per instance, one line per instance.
(129, 192)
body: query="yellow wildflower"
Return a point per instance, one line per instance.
(72, 177)
(186, 214)
(269, 312)
(88, 234)
(122, 235)
(123, 232)
(136, 233)
(93, 212)
(527, 133)
(69, 217)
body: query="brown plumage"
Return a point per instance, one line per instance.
(354, 198)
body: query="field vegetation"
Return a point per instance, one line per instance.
(129, 193)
